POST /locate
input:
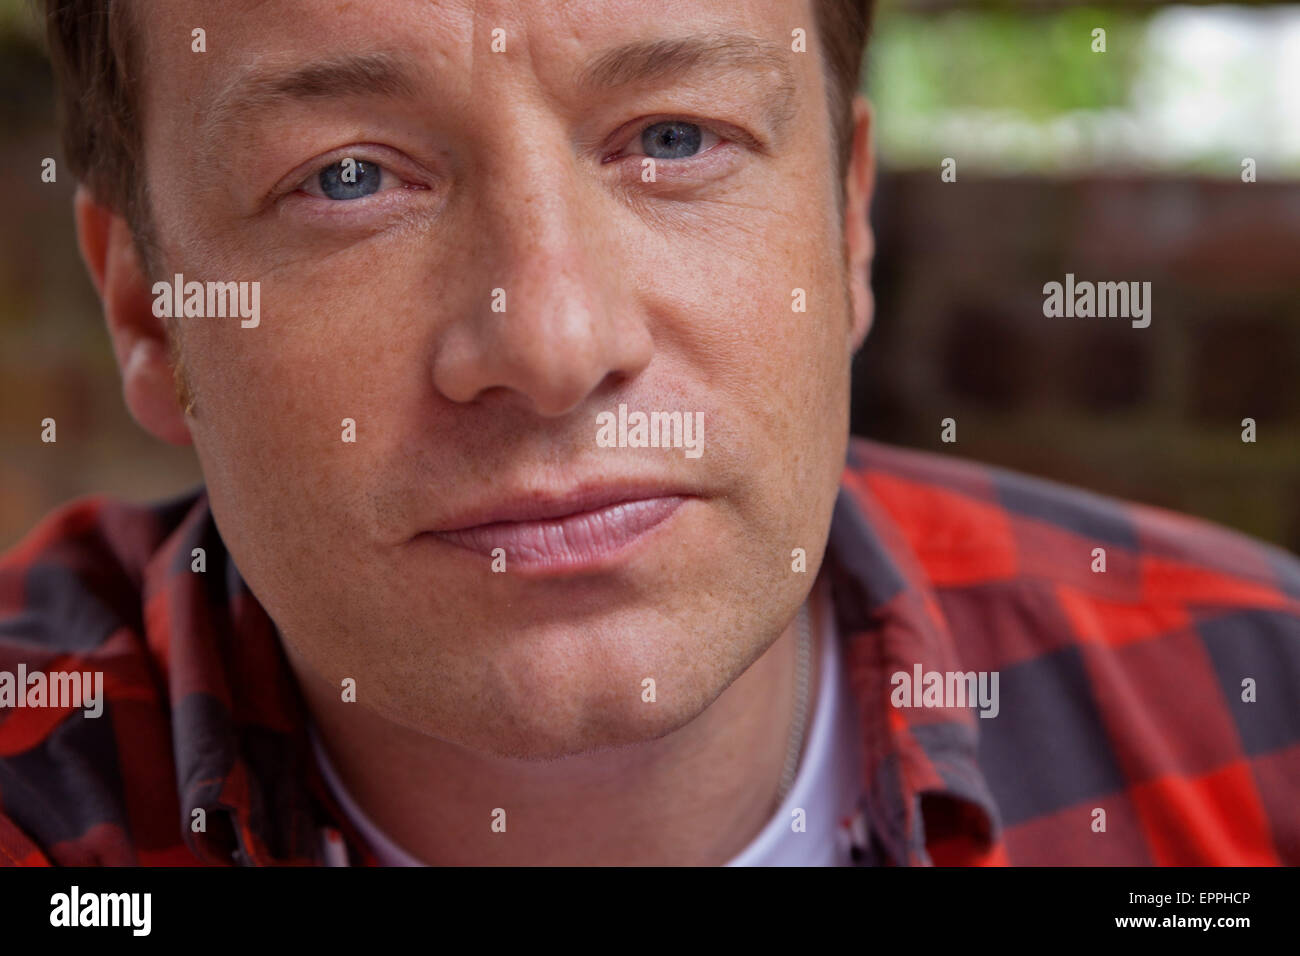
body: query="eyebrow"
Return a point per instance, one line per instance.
(382, 74)
(650, 61)
(354, 74)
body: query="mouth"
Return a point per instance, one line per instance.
(582, 532)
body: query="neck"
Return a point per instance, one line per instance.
(694, 797)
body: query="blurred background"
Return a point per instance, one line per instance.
(1122, 165)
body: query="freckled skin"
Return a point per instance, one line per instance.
(479, 690)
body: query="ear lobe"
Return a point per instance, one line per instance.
(859, 184)
(138, 336)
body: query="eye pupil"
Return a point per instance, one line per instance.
(671, 140)
(349, 179)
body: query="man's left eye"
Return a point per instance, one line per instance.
(676, 140)
(347, 179)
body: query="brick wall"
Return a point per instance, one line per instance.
(1151, 414)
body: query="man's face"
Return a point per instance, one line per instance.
(520, 171)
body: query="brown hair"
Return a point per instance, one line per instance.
(90, 45)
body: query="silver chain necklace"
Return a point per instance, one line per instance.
(803, 669)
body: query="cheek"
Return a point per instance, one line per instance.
(760, 328)
(277, 409)
(761, 325)
(327, 349)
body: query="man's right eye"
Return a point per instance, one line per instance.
(348, 178)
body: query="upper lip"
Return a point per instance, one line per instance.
(542, 505)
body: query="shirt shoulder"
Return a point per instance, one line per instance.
(1147, 660)
(79, 572)
(972, 524)
(83, 699)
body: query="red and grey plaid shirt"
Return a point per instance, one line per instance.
(1128, 690)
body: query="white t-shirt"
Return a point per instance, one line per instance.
(826, 786)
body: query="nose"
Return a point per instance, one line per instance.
(551, 321)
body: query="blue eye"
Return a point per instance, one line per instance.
(673, 140)
(350, 179)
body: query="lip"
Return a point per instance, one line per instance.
(579, 531)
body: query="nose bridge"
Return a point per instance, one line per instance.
(534, 199)
(553, 296)
(548, 326)
(536, 234)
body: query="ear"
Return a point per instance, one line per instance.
(138, 336)
(860, 242)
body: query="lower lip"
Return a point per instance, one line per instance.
(574, 542)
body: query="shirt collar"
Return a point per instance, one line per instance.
(244, 777)
(923, 786)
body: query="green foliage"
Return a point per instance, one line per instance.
(1036, 64)
(1014, 90)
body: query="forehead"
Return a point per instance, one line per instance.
(452, 41)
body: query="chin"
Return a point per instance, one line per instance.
(579, 714)
(532, 736)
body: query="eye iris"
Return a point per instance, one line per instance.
(671, 140)
(349, 179)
